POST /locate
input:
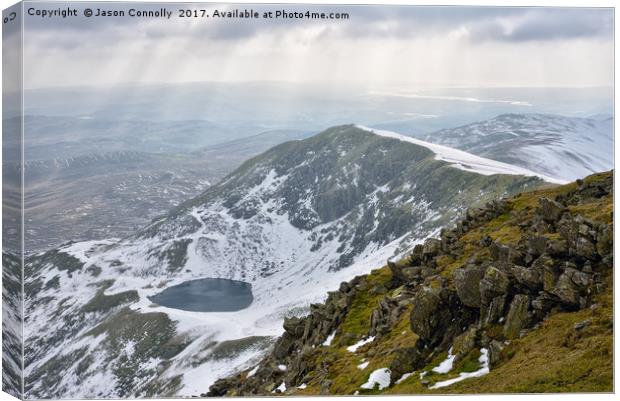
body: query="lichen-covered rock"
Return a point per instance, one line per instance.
(557, 248)
(493, 291)
(533, 276)
(495, 353)
(465, 342)
(585, 248)
(415, 257)
(220, 387)
(499, 252)
(493, 311)
(283, 346)
(571, 285)
(493, 284)
(551, 211)
(536, 245)
(605, 240)
(298, 367)
(406, 274)
(580, 278)
(467, 284)
(385, 316)
(432, 247)
(528, 276)
(397, 272)
(581, 236)
(551, 274)
(542, 304)
(294, 326)
(428, 314)
(518, 317)
(406, 360)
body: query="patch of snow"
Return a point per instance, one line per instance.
(302, 386)
(463, 160)
(446, 365)
(404, 377)
(363, 365)
(253, 371)
(361, 343)
(129, 348)
(282, 387)
(282, 367)
(379, 377)
(329, 339)
(484, 362)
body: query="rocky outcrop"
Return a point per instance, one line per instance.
(493, 293)
(463, 291)
(295, 345)
(465, 343)
(518, 316)
(467, 282)
(406, 360)
(550, 211)
(385, 316)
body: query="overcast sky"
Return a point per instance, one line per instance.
(377, 46)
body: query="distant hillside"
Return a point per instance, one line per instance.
(563, 147)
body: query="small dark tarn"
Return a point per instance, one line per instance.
(206, 295)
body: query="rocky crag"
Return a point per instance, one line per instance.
(516, 298)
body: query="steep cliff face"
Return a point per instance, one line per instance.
(515, 298)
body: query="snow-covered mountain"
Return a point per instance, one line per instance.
(562, 147)
(293, 222)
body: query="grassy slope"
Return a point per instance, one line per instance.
(552, 358)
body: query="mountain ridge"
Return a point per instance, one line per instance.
(467, 161)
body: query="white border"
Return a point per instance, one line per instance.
(496, 3)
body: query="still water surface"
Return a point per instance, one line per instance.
(206, 295)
